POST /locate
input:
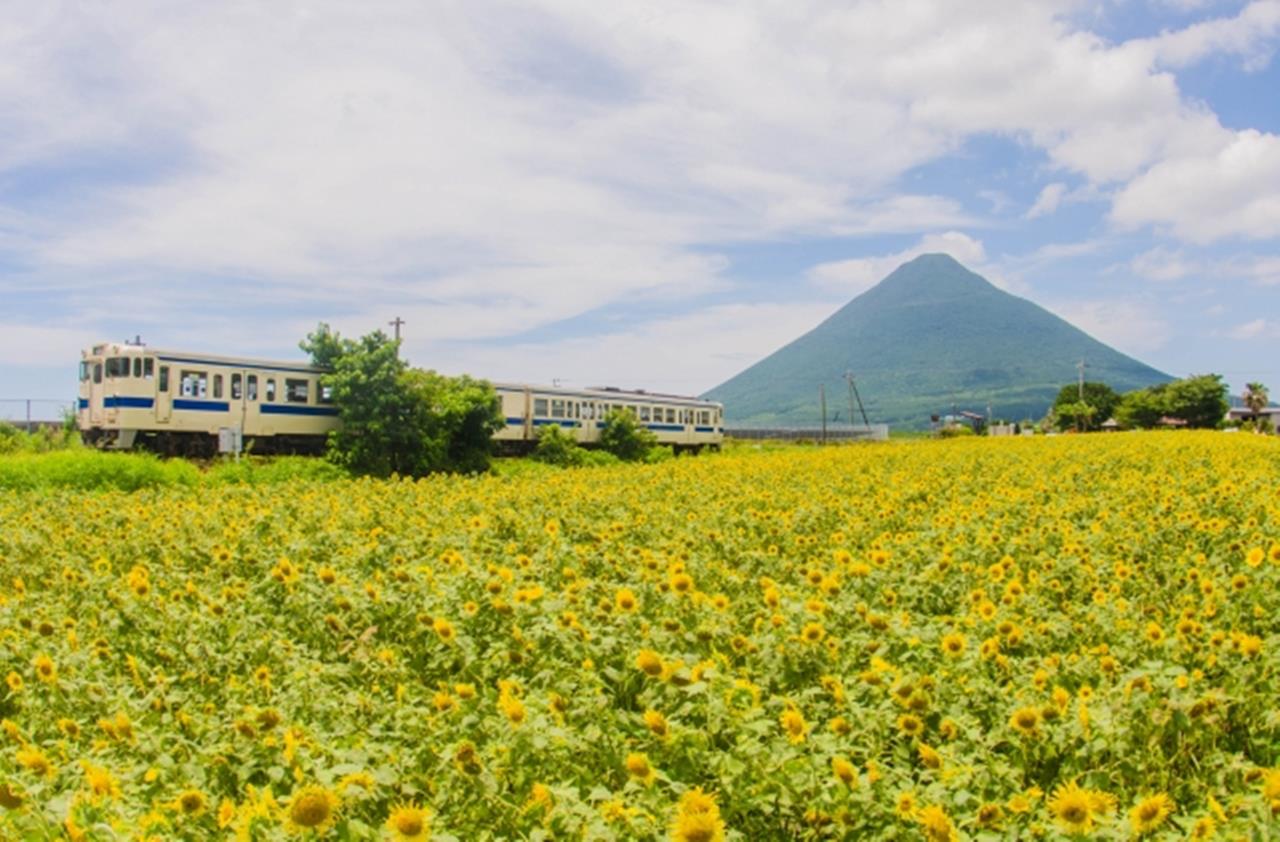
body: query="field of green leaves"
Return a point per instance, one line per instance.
(969, 639)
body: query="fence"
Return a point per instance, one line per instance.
(873, 432)
(32, 413)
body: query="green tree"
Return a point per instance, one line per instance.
(1099, 397)
(556, 447)
(623, 436)
(401, 420)
(1201, 401)
(1142, 408)
(1256, 398)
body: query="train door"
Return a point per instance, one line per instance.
(96, 394)
(243, 401)
(164, 398)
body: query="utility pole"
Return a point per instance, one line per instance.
(1079, 420)
(396, 323)
(822, 399)
(853, 393)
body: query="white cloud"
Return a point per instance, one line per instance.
(1131, 326)
(31, 345)
(856, 275)
(1232, 192)
(1250, 35)
(1253, 329)
(684, 354)
(1163, 264)
(1047, 202)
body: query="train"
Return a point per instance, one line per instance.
(184, 403)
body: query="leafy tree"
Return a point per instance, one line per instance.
(1142, 408)
(1099, 397)
(556, 447)
(401, 420)
(1256, 399)
(1201, 401)
(623, 436)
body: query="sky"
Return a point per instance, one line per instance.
(646, 195)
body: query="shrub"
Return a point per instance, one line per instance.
(623, 436)
(556, 447)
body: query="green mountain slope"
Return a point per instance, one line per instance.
(929, 337)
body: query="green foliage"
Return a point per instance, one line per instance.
(262, 470)
(401, 420)
(955, 431)
(931, 335)
(43, 440)
(1201, 401)
(623, 436)
(1099, 403)
(87, 469)
(556, 447)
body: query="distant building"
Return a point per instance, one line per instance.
(1243, 413)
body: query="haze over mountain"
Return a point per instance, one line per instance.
(930, 337)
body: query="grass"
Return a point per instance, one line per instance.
(86, 469)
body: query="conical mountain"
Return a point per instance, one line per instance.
(929, 338)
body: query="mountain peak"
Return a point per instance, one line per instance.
(931, 336)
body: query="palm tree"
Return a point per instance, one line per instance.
(1256, 398)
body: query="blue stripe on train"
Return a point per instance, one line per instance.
(542, 422)
(126, 403)
(84, 403)
(205, 406)
(285, 409)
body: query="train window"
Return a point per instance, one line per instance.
(295, 391)
(644, 413)
(217, 385)
(557, 409)
(148, 368)
(324, 394)
(251, 386)
(85, 371)
(97, 372)
(540, 407)
(671, 415)
(236, 387)
(118, 367)
(137, 366)
(163, 385)
(194, 384)
(704, 417)
(271, 390)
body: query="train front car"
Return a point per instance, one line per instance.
(177, 403)
(117, 394)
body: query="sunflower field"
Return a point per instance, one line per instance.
(1070, 637)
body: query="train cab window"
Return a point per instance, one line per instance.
(137, 366)
(540, 407)
(118, 367)
(148, 368)
(97, 372)
(557, 409)
(236, 387)
(251, 387)
(295, 391)
(85, 371)
(193, 384)
(270, 395)
(217, 385)
(324, 394)
(163, 385)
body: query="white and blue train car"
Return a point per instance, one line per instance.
(177, 402)
(685, 423)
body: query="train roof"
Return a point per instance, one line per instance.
(195, 357)
(611, 393)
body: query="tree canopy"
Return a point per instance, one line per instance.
(397, 419)
(1099, 404)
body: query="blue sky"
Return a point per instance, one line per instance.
(647, 195)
